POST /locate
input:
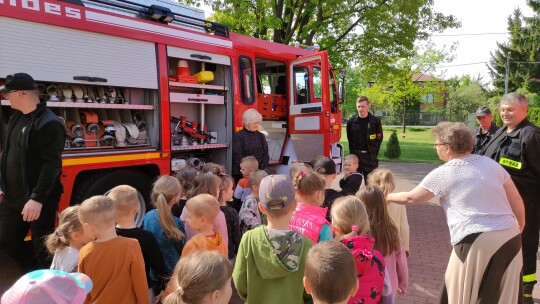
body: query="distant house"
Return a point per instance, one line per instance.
(438, 99)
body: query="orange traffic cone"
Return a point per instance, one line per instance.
(182, 72)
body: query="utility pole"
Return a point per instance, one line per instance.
(507, 73)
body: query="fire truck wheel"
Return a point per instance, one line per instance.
(101, 183)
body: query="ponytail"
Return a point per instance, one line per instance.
(350, 216)
(165, 189)
(68, 222)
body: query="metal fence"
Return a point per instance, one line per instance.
(419, 118)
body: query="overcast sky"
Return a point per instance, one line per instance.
(477, 17)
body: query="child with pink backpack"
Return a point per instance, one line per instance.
(350, 223)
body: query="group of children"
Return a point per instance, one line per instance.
(202, 233)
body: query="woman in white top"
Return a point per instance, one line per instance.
(485, 215)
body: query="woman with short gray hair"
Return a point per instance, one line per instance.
(485, 215)
(249, 142)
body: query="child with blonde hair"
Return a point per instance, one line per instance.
(351, 227)
(201, 213)
(115, 264)
(66, 241)
(297, 168)
(351, 181)
(166, 228)
(250, 215)
(231, 216)
(323, 262)
(201, 277)
(309, 218)
(248, 164)
(206, 183)
(126, 201)
(270, 263)
(384, 179)
(387, 239)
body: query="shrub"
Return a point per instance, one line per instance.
(392, 148)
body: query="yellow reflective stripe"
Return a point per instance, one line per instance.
(109, 159)
(529, 278)
(372, 136)
(509, 163)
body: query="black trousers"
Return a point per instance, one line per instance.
(13, 231)
(530, 234)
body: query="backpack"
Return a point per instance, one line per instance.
(370, 267)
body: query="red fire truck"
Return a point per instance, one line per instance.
(144, 89)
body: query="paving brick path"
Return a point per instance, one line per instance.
(429, 241)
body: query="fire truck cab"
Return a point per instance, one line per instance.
(145, 89)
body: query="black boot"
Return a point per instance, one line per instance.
(528, 292)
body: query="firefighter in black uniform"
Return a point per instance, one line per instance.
(485, 130)
(365, 135)
(516, 147)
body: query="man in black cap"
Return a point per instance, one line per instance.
(327, 168)
(485, 131)
(30, 170)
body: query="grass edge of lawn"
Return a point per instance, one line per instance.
(416, 146)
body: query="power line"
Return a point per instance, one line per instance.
(469, 34)
(463, 64)
(482, 62)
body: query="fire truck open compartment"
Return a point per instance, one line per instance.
(200, 104)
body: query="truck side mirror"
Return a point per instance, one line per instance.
(341, 85)
(342, 73)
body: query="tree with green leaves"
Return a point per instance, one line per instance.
(522, 51)
(401, 91)
(372, 33)
(465, 95)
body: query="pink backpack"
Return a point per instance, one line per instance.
(370, 267)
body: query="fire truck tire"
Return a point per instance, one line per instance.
(101, 183)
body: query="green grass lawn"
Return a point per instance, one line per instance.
(416, 146)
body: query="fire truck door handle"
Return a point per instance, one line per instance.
(205, 57)
(90, 79)
(197, 100)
